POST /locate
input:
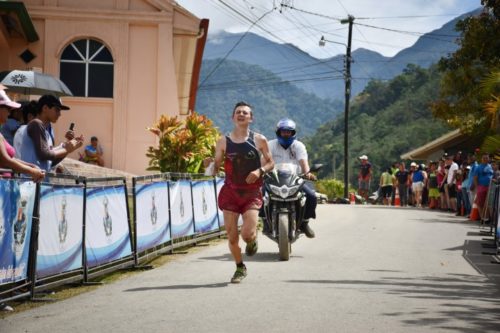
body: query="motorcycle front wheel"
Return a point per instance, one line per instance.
(284, 244)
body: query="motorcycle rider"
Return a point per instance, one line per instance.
(287, 149)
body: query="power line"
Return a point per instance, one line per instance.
(312, 13)
(293, 49)
(234, 46)
(413, 33)
(270, 78)
(406, 17)
(327, 78)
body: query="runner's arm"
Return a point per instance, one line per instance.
(267, 163)
(220, 148)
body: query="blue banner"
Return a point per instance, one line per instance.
(153, 223)
(205, 206)
(498, 216)
(181, 209)
(17, 200)
(60, 236)
(107, 235)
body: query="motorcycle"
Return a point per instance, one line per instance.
(284, 205)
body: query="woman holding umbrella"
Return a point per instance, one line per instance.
(7, 152)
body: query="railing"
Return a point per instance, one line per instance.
(72, 229)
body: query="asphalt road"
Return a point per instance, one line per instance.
(370, 269)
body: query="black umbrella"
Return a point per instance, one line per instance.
(33, 83)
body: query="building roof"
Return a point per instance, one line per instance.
(449, 139)
(16, 19)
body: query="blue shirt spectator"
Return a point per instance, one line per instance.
(9, 129)
(470, 177)
(484, 173)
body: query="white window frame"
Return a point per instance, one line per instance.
(87, 59)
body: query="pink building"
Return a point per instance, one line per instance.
(126, 62)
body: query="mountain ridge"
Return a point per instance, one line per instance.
(301, 69)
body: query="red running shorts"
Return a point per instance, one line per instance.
(239, 200)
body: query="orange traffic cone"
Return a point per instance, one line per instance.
(352, 199)
(474, 214)
(397, 201)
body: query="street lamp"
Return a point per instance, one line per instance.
(347, 78)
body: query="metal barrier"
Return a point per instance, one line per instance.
(98, 232)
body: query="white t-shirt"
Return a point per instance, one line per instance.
(296, 152)
(451, 173)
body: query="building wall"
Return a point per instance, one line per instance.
(147, 72)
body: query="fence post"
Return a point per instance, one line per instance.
(192, 204)
(35, 228)
(170, 215)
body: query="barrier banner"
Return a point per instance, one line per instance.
(17, 200)
(498, 213)
(107, 235)
(219, 182)
(153, 224)
(205, 206)
(60, 236)
(181, 209)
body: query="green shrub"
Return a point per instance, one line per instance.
(182, 144)
(333, 188)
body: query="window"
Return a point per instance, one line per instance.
(87, 68)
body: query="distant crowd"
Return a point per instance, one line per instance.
(455, 183)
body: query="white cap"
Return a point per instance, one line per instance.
(413, 164)
(363, 157)
(5, 100)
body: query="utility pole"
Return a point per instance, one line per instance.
(349, 20)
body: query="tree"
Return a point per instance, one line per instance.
(462, 99)
(182, 144)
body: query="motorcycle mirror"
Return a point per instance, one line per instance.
(316, 167)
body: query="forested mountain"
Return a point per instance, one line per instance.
(385, 120)
(309, 73)
(271, 98)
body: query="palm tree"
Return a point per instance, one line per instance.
(491, 86)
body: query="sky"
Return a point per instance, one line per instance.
(308, 20)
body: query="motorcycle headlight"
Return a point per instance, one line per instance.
(284, 191)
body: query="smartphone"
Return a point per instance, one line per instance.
(72, 126)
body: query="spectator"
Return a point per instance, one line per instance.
(411, 195)
(432, 184)
(482, 178)
(451, 189)
(418, 180)
(93, 152)
(441, 178)
(29, 113)
(402, 181)
(459, 178)
(364, 177)
(394, 169)
(472, 186)
(425, 192)
(37, 143)
(7, 152)
(465, 188)
(386, 182)
(496, 169)
(13, 122)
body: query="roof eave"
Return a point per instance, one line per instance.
(19, 9)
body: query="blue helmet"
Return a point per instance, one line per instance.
(288, 125)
